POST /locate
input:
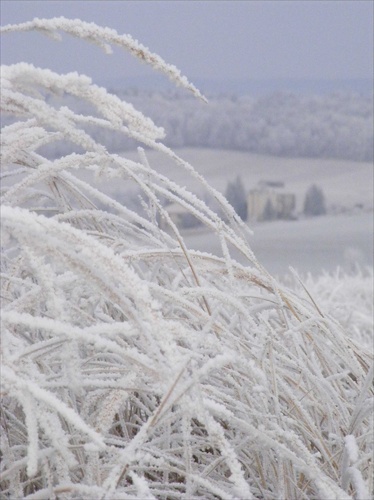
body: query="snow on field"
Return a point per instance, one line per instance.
(309, 245)
(313, 245)
(344, 182)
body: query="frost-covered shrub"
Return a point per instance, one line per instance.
(134, 367)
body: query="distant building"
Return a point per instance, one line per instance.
(270, 200)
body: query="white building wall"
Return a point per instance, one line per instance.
(283, 203)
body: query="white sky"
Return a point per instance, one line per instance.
(236, 40)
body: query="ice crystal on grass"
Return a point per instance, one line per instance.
(135, 367)
(104, 37)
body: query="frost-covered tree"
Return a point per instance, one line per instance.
(327, 126)
(236, 195)
(314, 202)
(134, 367)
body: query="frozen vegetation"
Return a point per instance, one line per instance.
(337, 125)
(134, 366)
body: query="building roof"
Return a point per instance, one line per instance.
(270, 184)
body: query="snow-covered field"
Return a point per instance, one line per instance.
(309, 245)
(345, 183)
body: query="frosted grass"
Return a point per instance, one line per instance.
(136, 367)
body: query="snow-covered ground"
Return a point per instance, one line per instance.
(316, 244)
(344, 182)
(309, 245)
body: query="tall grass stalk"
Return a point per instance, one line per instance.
(135, 367)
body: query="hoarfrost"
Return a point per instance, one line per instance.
(136, 367)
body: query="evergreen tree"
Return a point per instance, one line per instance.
(314, 203)
(235, 194)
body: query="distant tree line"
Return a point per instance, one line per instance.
(338, 125)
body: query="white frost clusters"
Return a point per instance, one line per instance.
(104, 38)
(134, 367)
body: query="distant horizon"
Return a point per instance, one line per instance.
(250, 86)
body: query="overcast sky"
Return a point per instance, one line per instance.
(207, 39)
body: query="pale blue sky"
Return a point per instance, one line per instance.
(207, 39)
